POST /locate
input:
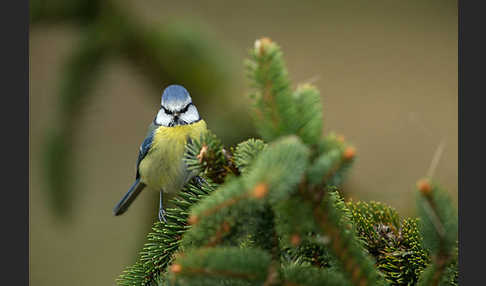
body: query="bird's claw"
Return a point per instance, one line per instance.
(200, 181)
(162, 216)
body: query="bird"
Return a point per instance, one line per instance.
(160, 164)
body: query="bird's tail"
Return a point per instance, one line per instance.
(129, 197)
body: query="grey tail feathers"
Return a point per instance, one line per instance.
(129, 197)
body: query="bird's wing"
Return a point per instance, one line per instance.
(145, 146)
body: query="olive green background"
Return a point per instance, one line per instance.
(387, 72)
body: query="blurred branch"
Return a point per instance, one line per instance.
(439, 225)
(57, 11)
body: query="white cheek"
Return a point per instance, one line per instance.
(191, 115)
(163, 118)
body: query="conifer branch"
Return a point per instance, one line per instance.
(272, 89)
(358, 266)
(286, 158)
(165, 238)
(307, 100)
(395, 243)
(210, 265)
(298, 275)
(275, 217)
(439, 228)
(246, 152)
(208, 156)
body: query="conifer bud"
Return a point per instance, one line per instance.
(424, 186)
(176, 268)
(349, 153)
(200, 156)
(295, 239)
(260, 190)
(261, 44)
(193, 219)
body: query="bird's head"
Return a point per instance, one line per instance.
(176, 108)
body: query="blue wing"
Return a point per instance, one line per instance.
(145, 147)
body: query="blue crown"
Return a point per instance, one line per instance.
(175, 95)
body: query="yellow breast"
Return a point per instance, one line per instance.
(163, 168)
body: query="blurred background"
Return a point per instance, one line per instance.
(387, 72)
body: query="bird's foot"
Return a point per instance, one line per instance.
(200, 181)
(162, 216)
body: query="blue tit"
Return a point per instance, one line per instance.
(160, 164)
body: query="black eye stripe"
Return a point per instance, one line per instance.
(186, 107)
(181, 111)
(166, 110)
